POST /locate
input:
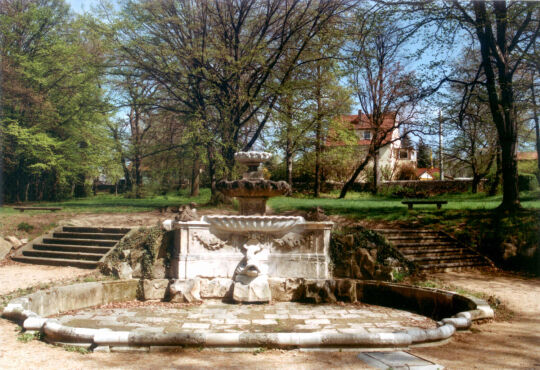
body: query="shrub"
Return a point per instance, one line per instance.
(23, 226)
(406, 172)
(527, 182)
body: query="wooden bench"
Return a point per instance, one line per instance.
(410, 203)
(22, 209)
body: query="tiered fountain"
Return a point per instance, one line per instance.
(251, 247)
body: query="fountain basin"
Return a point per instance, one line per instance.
(265, 224)
(252, 158)
(253, 188)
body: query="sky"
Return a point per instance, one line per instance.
(80, 6)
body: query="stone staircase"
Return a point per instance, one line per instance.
(434, 250)
(73, 246)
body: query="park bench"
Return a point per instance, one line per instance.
(410, 203)
(22, 209)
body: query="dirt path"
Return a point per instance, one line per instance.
(499, 344)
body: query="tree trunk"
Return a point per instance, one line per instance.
(195, 176)
(509, 175)
(318, 136)
(138, 176)
(212, 174)
(289, 169)
(375, 173)
(536, 119)
(351, 181)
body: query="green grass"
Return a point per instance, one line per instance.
(367, 206)
(105, 203)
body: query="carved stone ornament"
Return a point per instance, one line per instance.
(209, 241)
(291, 241)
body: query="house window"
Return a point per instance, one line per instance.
(403, 154)
(367, 135)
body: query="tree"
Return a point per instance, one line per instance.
(224, 63)
(505, 32)
(423, 156)
(52, 106)
(386, 91)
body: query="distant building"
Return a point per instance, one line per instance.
(392, 154)
(427, 174)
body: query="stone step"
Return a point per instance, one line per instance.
(453, 265)
(56, 262)
(93, 242)
(72, 248)
(406, 232)
(77, 235)
(425, 244)
(63, 255)
(442, 259)
(101, 230)
(420, 252)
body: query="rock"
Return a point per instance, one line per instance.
(137, 270)
(5, 247)
(159, 270)
(346, 290)
(185, 291)
(392, 262)
(154, 289)
(216, 288)
(123, 271)
(15, 242)
(316, 215)
(320, 291)
(286, 290)
(383, 273)
(247, 289)
(509, 250)
(126, 253)
(366, 262)
(185, 213)
(24, 241)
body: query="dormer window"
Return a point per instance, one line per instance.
(367, 135)
(403, 154)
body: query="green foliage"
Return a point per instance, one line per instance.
(52, 107)
(527, 182)
(77, 349)
(26, 227)
(28, 337)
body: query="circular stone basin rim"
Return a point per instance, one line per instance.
(253, 223)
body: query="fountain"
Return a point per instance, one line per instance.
(251, 247)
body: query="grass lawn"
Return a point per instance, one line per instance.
(357, 205)
(367, 206)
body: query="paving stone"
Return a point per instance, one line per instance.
(317, 322)
(397, 360)
(264, 322)
(195, 325)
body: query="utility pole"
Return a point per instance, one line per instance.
(441, 162)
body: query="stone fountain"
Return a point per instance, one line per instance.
(251, 247)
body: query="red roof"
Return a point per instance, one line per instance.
(361, 121)
(527, 156)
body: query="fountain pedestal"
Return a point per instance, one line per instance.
(251, 247)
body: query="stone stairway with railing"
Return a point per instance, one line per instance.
(75, 246)
(433, 250)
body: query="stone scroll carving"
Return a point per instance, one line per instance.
(292, 241)
(209, 241)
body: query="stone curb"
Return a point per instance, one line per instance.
(108, 340)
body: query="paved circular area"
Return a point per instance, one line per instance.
(219, 317)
